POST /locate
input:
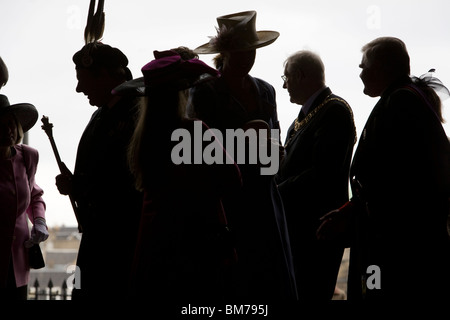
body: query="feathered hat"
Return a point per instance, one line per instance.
(237, 32)
(96, 54)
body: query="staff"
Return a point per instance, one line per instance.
(48, 128)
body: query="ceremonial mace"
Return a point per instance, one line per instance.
(48, 128)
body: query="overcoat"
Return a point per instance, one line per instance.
(20, 200)
(314, 179)
(402, 164)
(108, 203)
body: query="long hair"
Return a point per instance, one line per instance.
(20, 133)
(19, 129)
(161, 112)
(433, 89)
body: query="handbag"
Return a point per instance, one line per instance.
(35, 258)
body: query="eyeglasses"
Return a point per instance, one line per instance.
(284, 78)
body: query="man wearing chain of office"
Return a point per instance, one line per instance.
(313, 176)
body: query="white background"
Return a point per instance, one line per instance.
(39, 37)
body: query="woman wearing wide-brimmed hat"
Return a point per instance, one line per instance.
(233, 101)
(20, 197)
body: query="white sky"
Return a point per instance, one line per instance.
(39, 37)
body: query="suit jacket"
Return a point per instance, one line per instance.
(403, 165)
(20, 198)
(313, 179)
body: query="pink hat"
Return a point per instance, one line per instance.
(168, 70)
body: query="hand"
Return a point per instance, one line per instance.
(332, 225)
(39, 233)
(335, 224)
(64, 181)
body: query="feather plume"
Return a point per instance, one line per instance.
(228, 38)
(95, 22)
(428, 79)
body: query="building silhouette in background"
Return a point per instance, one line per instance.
(60, 253)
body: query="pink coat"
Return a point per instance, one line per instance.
(19, 197)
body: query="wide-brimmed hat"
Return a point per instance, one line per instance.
(237, 32)
(168, 70)
(26, 113)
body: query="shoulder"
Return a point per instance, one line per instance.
(30, 158)
(264, 85)
(127, 106)
(206, 93)
(404, 93)
(337, 106)
(266, 92)
(407, 103)
(207, 85)
(29, 152)
(336, 115)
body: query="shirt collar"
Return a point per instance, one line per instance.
(307, 105)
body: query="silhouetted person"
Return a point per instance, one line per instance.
(234, 101)
(20, 198)
(102, 184)
(396, 221)
(184, 250)
(314, 175)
